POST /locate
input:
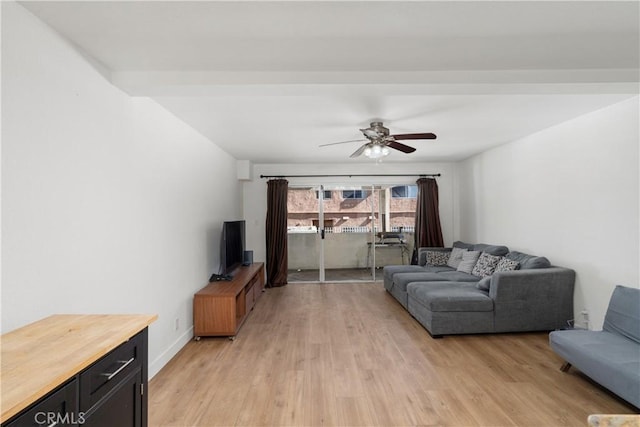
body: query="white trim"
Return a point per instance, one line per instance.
(170, 352)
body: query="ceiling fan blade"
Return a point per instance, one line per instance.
(359, 151)
(401, 147)
(415, 136)
(341, 142)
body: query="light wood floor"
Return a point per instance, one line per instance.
(350, 355)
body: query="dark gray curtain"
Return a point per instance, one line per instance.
(276, 227)
(428, 231)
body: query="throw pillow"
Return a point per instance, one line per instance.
(486, 265)
(438, 257)
(507, 264)
(469, 260)
(422, 258)
(484, 284)
(455, 257)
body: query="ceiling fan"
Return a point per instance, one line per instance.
(379, 141)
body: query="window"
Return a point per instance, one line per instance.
(405, 191)
(326, 194)
(353, 194)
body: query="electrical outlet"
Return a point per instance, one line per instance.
(585, 318)
(177, 324)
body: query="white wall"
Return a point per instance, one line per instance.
(109, 203)
(569, 193)
(255, 191)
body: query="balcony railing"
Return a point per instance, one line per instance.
(347, 229)
(343, 250)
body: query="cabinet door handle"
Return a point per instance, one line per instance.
(125, 363)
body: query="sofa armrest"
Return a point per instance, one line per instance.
(533, 299)
(533, 283)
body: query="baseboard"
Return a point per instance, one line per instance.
(167, 355)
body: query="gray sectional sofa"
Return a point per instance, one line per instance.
(611, 357)
(490, 289)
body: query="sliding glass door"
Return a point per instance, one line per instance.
(328, 231)
(304, 234)
(345, 233)
(349, 225)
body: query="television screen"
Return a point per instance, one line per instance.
(232, 245)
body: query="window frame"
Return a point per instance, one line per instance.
(324, 194)
(362, 194)
(407, 190)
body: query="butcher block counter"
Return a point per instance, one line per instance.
(42, 356)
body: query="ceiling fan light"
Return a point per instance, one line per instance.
(376, 151)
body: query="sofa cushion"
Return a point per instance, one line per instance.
(457, 276)
(486, 265)
(462, 245)
(528, 261)
(445, 296)
(455, 257)
(401, 280)
(484, 284)
(437, 268)
(535, 262)
(469, 260)
(505, 264)
(623, 313)
(438, 258)
(490, 249)
(390, 270)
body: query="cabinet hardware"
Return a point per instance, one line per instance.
(125, 363)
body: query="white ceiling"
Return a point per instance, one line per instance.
(270, 81)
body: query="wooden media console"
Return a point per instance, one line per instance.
(220, 308)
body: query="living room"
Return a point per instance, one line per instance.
(113, 204)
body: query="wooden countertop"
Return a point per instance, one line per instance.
(39, 357)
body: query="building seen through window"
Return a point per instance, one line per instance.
(356, 210)
(405, 191)
(354, 194)
(326, 194)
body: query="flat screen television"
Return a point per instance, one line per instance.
(232, 251)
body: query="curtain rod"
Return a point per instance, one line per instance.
(422, 175)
